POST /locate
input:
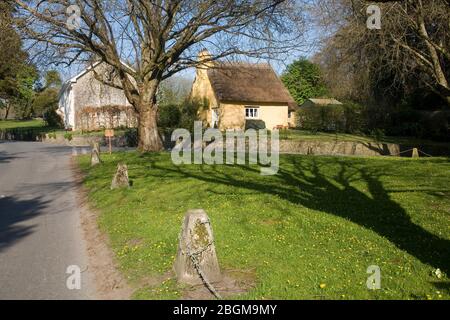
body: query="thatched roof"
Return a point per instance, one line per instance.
(248, 83)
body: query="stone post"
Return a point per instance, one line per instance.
(95, 154)
(120, 179)
(415, 153)
(196, 250)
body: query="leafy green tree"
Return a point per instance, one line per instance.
(23, 102)
(45, 102)
(17, 76)
(46, 98)
(304, 80)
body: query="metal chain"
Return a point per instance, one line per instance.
(420, 151)
(193, 257)
(203, 277)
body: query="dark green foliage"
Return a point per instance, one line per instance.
(255, 124)
(17, 76)
(131, 136)
(322, 118)
(68, 136)
(421, 124)
(355, 116)
(44, 101)
(347, 118)
(169, 116)
(304, 80)
(53, 120)
(190, 111)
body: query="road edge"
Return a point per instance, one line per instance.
(108, 280)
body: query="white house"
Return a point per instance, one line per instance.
(88, 104)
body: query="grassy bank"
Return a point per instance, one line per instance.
(12, 124)
(310, 232)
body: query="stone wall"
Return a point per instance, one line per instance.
(359, 148)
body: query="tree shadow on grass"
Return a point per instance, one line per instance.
(305, 184)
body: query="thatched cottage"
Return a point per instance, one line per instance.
(239, 92)
(88, 104)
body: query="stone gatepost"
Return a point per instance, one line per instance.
(95, 154)
(196, 251)
(120, 179)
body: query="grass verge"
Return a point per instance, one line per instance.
(309, 232)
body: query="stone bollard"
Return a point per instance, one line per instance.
(96, 146)
(95, 154)
(120, 179)
(415, 153)
(196, 251)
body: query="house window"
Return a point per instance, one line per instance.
(251, 112)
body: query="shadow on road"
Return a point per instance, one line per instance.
(7, 157)
(14, 215)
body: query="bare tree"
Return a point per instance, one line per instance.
(414, 39)
(158, 37)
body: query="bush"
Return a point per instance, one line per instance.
(349, 117)
(68, 136)
(255, 124)
(420, 124)
(169, 116)
(322, 118)
(131, 135)
(190, 111)
(378, 134)
(354, 117)
(53, 119)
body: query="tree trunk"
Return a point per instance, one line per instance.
(149, 139)
(8, 107)
(148, 135)
(439, 73)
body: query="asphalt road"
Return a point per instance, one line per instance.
(40, 231)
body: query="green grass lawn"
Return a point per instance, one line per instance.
(309, 232)
(40, 126)
(305, 135)
(12, 124)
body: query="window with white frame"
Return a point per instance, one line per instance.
(252, 112)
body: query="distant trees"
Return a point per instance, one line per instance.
(410, 52)
(400, 72)
(45, 102)
(304, 80)
(19, 86)
(17, 76)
